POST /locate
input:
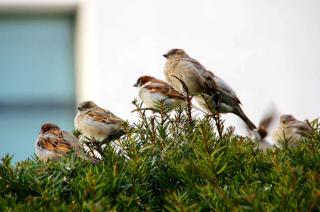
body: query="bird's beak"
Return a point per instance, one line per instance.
(135, 85)
(166, 55)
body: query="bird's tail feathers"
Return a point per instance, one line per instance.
(243, 116)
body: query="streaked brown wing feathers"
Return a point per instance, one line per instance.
(165, 90)
(198, 65)
(265, 123)
(304, 129)
(104, 116)
(56, 144)
(209, 77)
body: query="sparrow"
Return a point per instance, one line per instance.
(180, 67)
(98, 123)
(259, 135)
(292, 129)
(53, 143)
(210, 91)
(152, 91)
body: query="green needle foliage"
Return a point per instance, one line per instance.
(167, 162)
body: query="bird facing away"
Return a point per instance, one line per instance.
(292, 129)
(152, 91)
(98, 123)
(53, 143)
(211, 92)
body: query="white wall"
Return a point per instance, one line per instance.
(269, 51)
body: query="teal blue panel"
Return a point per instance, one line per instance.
(36, 78)
(36, 56)
(19, 127)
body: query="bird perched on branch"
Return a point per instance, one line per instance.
(98, 123)
(152, 91)
(53, 143)
(291, 129)
(211, 92)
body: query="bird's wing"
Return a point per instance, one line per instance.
(267, 120)
(201, 70)
(265, 124)
(195, 63)
(213, 82)
(302, 128)
(225, 87)
(76, 145)
(165, 90)
(103, 116)
(70, 138)
(210, 82)
(54, 143)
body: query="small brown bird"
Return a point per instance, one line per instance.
(53, 143)
(180, 66)
(292, 129)
(152, 91)
(98, 123)
(210, 91)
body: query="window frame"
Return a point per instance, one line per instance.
(39, 6)
(83, 47)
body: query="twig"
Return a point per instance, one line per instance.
(189, 98)
(91, 152)
(95, 145)
(215, 115)
(141, 113)
(153, 131)
(219, 123)
(143, 109)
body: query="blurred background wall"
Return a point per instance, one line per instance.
(37, 66)
(55, 53)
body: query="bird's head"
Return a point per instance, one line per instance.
(287, 118)
(48, 126)
(83, 106)
(175, 53)
(143, 80)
